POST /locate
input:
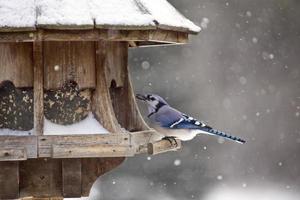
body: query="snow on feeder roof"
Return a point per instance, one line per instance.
(28, 15)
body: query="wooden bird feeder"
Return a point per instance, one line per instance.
(60, 61)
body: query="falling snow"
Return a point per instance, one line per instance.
(177, 162)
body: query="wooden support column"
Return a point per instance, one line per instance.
(9, 180)
(41, 178)
(71, 177)
(92, 168)
(163, 146)
(16, 64)
(38, 87)
(102, 105)
(121, 92)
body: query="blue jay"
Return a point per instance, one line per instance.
(175, 124)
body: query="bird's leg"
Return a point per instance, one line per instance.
(172, 140)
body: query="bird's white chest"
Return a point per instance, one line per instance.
(181, 134)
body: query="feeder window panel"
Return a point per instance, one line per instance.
(69, 82)
(16, 89)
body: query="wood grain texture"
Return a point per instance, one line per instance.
(46, 142)
(92, 168)
(41, 178)
(12, 154)
(91, 151)
(71, 177)
(121, 91)
(142, 37)
(163, 146)
(17, 36)
(65, 61)
(115, 62)
(38, 89)
(37, 198)
(29, 143)
(102, 105)
(16, 63)
(9, 180)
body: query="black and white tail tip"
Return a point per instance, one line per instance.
(227, 136)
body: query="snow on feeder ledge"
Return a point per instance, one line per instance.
(61, 73)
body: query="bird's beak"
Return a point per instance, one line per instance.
(141, 97)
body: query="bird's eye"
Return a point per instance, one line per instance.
(152, 98)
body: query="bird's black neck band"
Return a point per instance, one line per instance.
(158, 106)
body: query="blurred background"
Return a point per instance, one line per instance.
(241, 74)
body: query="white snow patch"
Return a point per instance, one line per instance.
(254, 40)
(16, 13)
(177, 162)
(249, 14)
(63, 12)
(204, 23)
(166, 15)
(126, 13)
(15, 132)
(145, 65)
(243, 80)
(116, 12)
(87, 126)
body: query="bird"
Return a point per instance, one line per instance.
(172, 123)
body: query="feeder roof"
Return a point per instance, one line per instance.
(16, 15)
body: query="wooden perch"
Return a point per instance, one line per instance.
(163, 146)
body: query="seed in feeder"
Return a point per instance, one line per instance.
(56, 68)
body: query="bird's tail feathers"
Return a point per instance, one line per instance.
(225, 135)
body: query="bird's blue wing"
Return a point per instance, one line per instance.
(186, 122)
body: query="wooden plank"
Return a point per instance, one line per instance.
(16, 63)
(102, 105)
(124, 35)
(38, 88)
(17, 37)
(71, 177)
(65, 61)
(163, 146)
(29, 143)
(92, 168)
(164, 36)
(9, 154)
(35, 198)
(115, 62)
(41, 178)
(157, 36)
(141, 139)
(9, 180)
(46, 142)
(121, 91)
(91, 151)
(70, 35)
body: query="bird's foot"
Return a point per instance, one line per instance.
(172, 140)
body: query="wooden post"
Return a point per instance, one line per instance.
(163, 146)
(38, 87)
(9, 180)
(102, 105)
(71, 177)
